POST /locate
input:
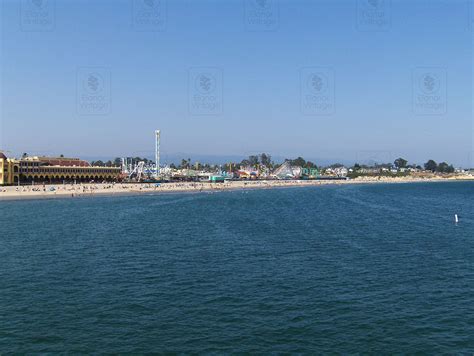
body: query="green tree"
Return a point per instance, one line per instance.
(266, 159)
(185, 163)
(400, 163)
(300, 162)
(443, 167)
(431, 166)
(244, 163)
(253, 160)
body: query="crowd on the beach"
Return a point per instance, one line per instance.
(77, 190)
(90, 189)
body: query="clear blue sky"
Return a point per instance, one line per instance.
(262, 60)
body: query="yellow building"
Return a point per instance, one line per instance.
(52, 170)
(9, 170)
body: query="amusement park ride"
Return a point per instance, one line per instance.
(150, 171)
(142, 170)
(287, 171)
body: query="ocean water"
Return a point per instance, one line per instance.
(333, 269)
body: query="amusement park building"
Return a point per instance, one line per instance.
(52, 170)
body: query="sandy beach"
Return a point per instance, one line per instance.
(111, 189)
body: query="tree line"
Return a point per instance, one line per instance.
(401, 163)
(265, 159)
(431, 165)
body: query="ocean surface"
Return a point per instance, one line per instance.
(331, 269)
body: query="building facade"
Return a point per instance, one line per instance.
(44, 170)
(9, 170)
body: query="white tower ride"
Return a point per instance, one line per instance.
(157, 154)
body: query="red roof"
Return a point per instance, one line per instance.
(65, 162)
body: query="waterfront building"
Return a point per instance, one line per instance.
(9, 170)
(28, 170)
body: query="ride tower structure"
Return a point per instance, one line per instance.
(157, 153)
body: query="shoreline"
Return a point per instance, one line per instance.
(71, 191)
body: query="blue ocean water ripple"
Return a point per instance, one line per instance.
(333, 269)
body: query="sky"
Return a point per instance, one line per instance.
(332, 81)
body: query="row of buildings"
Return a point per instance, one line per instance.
(52, 170)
